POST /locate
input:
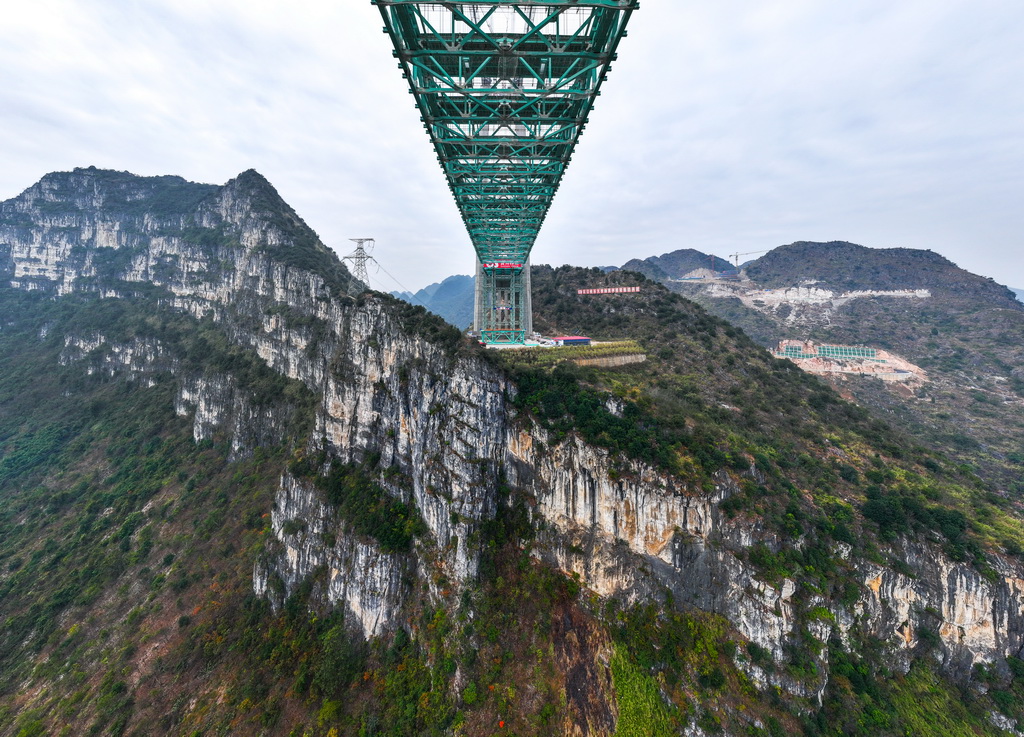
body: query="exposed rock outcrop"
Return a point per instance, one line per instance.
(442, 425)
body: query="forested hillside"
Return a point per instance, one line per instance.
(965, 331)
(236, 500)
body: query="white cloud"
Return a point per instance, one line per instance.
(724, 126)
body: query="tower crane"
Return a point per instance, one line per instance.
(736, 256)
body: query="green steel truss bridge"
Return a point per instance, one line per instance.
(505, 90)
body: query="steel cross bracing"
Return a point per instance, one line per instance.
(504, 90)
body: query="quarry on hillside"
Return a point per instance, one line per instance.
(805, 295)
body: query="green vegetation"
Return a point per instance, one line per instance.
(104, 492)
(364, 504)
(642, 712)
(864, 699)
(416, 320)
(896, 513)
(562, 403)
(546, 357)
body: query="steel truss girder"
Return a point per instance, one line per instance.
(505, 91)
(525, 3)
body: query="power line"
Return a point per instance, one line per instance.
(360, 256)
(404, 288)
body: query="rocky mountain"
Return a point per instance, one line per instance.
(964, 330)
(451, 299)
(234, 499)
(1019, 293)
(846, 267)
(676, 264)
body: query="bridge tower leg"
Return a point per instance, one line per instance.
(503, 308)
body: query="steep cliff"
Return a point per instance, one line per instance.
(485, 545)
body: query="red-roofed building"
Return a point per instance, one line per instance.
(571, 340)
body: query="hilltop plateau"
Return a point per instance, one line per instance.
(236, 499)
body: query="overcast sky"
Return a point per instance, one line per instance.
(730, 126)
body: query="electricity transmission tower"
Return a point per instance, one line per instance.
(358, 259)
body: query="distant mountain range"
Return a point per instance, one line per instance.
(842, 266)
(451, 299)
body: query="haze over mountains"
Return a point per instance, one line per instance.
(452, 299)
(238, 495)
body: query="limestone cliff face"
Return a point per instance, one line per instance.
(214, 402)
(441, 423)
(646, 532)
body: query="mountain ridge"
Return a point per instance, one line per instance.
(451, 298)
(843, 266)
(676, 264)
(963, 329)
(709, 540)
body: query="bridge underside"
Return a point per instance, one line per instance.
(505, 90)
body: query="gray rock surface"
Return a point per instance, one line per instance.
(442, 422)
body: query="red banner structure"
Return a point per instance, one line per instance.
(609, 290)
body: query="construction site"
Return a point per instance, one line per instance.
(856, 360)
